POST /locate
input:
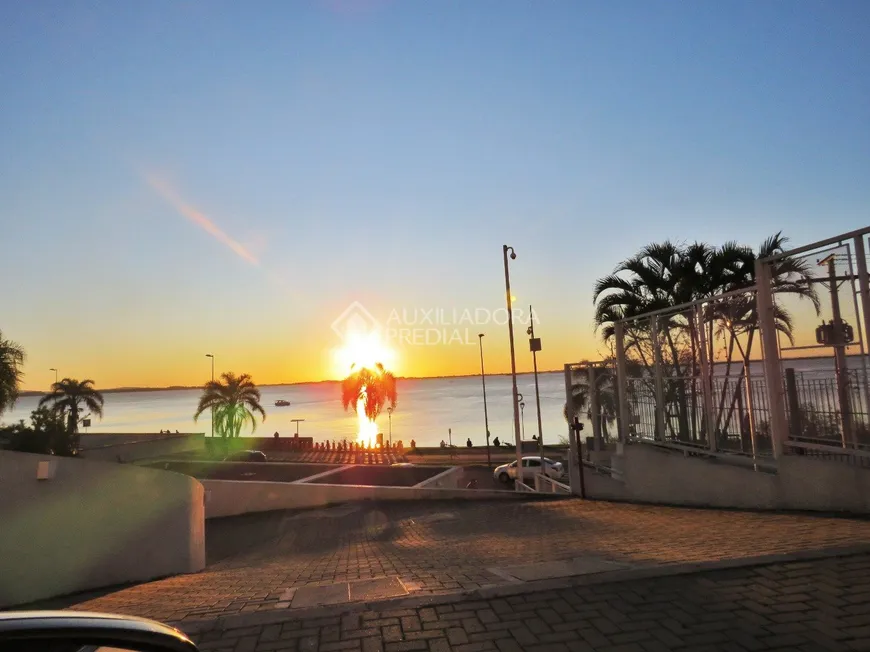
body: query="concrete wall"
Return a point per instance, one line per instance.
(229, 498)
(220, 446)
(800, 483)
(92, 525)
(451, 478)
(826, 485)
(257, 471)
(132, 447)
(380, 476)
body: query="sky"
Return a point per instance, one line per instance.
(182, 177)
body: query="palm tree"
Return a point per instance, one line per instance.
(11, 360)
(68, 396)
(234, 400)
(580, 404)
(738, 317)
(374, 387)
(666, 275)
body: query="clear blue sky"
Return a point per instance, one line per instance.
(384, 151)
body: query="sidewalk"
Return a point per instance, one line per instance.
(273, 561)
(809, 605)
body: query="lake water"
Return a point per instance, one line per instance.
(426, 409)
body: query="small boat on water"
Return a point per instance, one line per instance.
(282, 403)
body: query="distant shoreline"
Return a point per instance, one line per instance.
(117, 390)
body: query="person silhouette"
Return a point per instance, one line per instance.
(495, 442)
(468, 443)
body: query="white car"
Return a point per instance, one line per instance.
(531, 467)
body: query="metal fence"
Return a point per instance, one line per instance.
(777, 368)
(688, 377)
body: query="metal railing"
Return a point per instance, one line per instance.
(523, 487)
(546, 484)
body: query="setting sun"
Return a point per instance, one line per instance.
(363, 350)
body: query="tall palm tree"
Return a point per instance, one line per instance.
(666, 275)
(68, 396)
(375, 387)
(738, 317)
(11, 360)
(234, 400)
(580, 403)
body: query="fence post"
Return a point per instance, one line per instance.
(706, 378)
(864, 291)
(794, 408)
(657, 374)
(574, 450)
(770, 355)
(623, 425)
(594, 408)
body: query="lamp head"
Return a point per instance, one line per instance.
(513, 255)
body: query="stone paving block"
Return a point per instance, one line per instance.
(457, 636)
(376, 589)
(439, 645)
(411, 624)
(246, 644)
(367, 632)
(339, 645)
(308, 644)
(407, 645)
(372, 644)
(313, 596)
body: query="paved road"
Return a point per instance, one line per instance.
(806, 606)
(258, 562)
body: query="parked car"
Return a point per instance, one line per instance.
(74, 631)
(532, 465)
(246, 456)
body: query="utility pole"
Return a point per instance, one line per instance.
(507, 287)
(485, 413)
(839, 344)
(534, 347)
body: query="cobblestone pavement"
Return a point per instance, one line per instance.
(805, 606)
(257, 561)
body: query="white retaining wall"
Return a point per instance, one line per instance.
(800, 483)
(133, 447)
(231, 497)
(93, 524)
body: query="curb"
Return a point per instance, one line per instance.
(235, 621)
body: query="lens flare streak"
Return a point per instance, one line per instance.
(171, 197)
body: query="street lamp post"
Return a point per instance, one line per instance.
(209, 355)
(507, 286)
(535, 346)
(390, 419)
(55, 374)
(485, 413)
(523, 417)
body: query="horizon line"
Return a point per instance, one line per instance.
(33, 392)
